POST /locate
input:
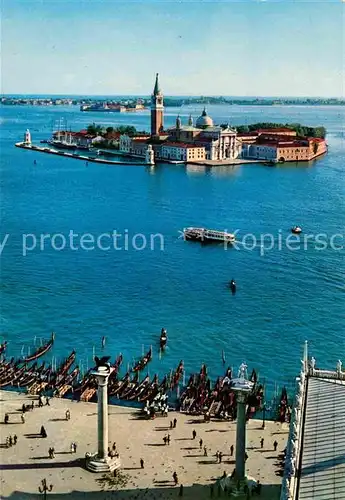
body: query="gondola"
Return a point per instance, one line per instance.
(12, 375)
(163, 339)
(119, 385)
(140, 365)
(131, 387)
(177, 375)
(150, 391)
(41, 351)
(144, 384)
(62, 371)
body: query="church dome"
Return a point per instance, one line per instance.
(204, 120)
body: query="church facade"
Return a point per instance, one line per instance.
(187, 143)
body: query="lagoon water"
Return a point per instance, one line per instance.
(283, 297)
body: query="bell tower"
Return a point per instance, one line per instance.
(157, 109)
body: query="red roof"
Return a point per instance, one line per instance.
(270, 130)
(180, 145)
(247, 134)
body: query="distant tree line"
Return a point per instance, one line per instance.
(301, 130)
(103, 131)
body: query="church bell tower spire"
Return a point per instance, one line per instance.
(157, 109)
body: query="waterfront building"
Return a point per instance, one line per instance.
(179, 151)
(134, 145)
(277, 145)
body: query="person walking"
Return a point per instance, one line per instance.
(68, 414)
(22, 418)
(261, 443)
(175, 422)
(194, 433)
(217, 456)
(175, 478)
(15, 439)
(275, 444)
(168, 438)
(200, 443)
(232, 450)
(141, 463)
(220, 456)
(205, 451)
(165, 440)
(75, 447)
(10, 440)
(6, 418)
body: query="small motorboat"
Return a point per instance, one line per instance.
(232, 286)
(163, 338)
(296, 230)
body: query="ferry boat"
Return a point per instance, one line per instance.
(207, 235)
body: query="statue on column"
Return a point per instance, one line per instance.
(242, 372)
(312, 364)
(102, 362)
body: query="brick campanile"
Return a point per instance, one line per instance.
(157, 109)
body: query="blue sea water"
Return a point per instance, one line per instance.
(283, 297)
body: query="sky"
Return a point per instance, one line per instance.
(110, 47)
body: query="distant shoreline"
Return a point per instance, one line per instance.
(29, 100)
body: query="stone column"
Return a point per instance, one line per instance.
(102, 396)
(100, 462)
(241, 436)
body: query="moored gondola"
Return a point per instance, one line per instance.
(41, 350)
(177, 375)
(140, 365)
